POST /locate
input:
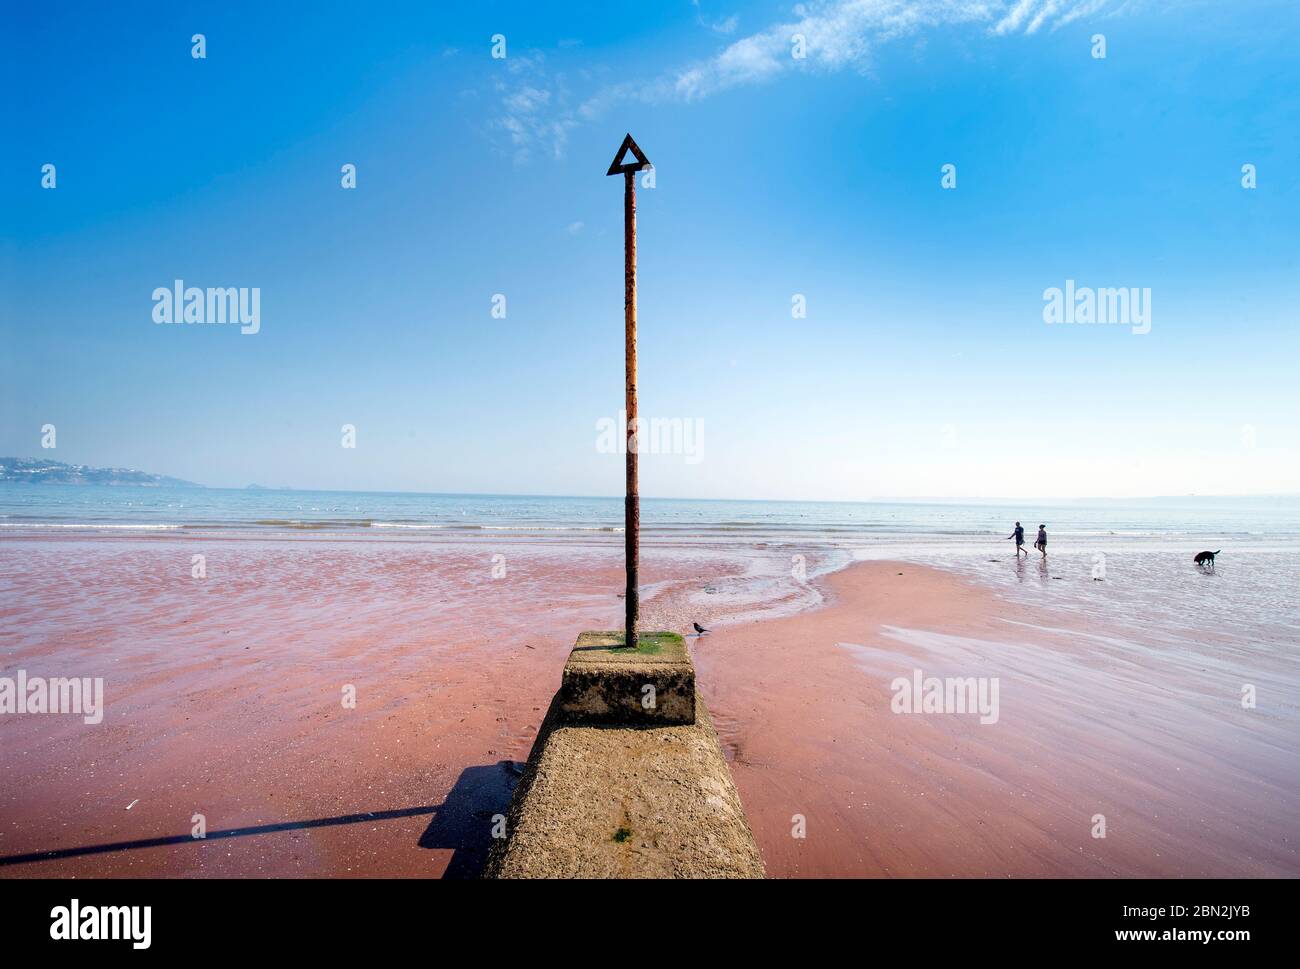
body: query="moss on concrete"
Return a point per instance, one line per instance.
(607, 647)
(605, 684)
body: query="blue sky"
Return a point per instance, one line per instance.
(923, 367)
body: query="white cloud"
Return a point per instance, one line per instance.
(842, 34)
(1014, 17)
(838, 35)
(727, 26)
(1078, 11)
(1047, 10)
(534, 108)
(527, 100)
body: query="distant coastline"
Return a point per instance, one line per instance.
(43, 471)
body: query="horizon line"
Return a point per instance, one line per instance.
(875, 499)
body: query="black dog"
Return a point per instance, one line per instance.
(1206, 559)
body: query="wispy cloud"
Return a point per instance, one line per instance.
(1080, 10)
(727, 25)
(535, 110)
(833, 35)
(1015, 17)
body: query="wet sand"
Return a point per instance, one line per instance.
(224, 696)
(1090, 723)
(224, 699)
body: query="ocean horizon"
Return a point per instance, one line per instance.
(127, 507)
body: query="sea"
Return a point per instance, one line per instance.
(1260, 520)
(1127, 562)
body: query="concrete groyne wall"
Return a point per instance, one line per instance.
(626, 778)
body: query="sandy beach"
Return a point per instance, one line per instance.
(1189, 783)
(224, 698)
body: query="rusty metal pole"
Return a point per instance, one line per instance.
(632, 501)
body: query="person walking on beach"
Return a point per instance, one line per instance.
(1041, 542)
(1019, 536)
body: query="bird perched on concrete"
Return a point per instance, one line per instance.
(700, 630)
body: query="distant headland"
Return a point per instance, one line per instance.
(43, 471)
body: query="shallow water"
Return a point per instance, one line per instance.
(98, 507)
(1149, 590)
(1126, 564)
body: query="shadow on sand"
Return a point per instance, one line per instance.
(462, 822)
